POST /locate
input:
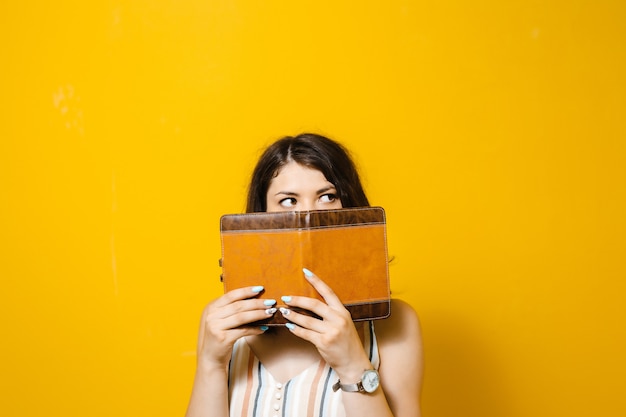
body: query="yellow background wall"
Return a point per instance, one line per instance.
(492, 132)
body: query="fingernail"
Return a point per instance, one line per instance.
(307, 272)
(290, 326)
(285, 311)
(286, 298)
(258, 288)
(264, 328)
(270, 311)
(269, 302)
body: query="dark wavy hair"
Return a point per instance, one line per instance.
(313, 151)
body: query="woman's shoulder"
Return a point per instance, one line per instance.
(403, 323)
(401, 311)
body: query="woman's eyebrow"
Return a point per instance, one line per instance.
(294, 194)
(323, 190)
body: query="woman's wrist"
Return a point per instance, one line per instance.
(208, 366)
(353, 372)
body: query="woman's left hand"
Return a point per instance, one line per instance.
(335, 335)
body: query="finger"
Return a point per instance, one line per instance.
(248, 331)
(238, 294)
(302, 320)
(234, 334)
(319, 308)
(240, 318)
(306, 334)
(323, 289)
(313, 305)
(254, 304)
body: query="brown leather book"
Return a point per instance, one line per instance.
(347, 248)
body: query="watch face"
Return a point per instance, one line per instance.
(370, 381)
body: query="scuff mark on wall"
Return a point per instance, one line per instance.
(113, 249)
(68, 103)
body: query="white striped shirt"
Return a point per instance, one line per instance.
(253, 391)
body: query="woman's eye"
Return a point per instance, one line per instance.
(288, 202)
(328, 198)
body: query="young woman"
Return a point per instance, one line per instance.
(310, 367)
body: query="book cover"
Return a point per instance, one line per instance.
(346, 248)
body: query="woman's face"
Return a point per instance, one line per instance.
(298, 188)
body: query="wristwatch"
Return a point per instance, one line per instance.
(370, 380)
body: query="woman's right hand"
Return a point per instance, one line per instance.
(224, 321)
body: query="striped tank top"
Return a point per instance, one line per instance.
(253, 392)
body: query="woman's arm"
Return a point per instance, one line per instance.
(222, 324)
(337, 341)
(209, 396)
(401, 359)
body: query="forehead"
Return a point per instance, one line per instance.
(294, 176)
